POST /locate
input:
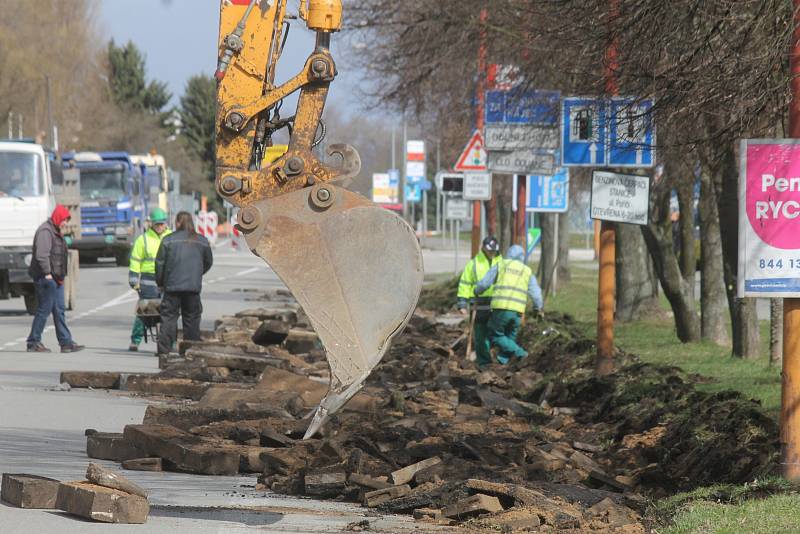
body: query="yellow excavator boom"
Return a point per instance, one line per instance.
(354, 267)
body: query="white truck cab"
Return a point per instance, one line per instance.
(27, 198)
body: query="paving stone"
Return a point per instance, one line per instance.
(367, 481)
(270, 437)
(406, 474)
(325, 484)
(170, 387)
(374, 498)
(90, 379)
(143, 464)
(474, 505)
(271, 332)
(301, 341)
(184, 451)
(29, 491)
(110, 446)
(100, 503)
(97, 474)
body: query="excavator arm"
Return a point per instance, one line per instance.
(354, 267)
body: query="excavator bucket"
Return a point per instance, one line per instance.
(354, 267)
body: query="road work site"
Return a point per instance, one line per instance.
(305, 266)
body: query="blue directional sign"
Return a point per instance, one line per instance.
(583, 132)
(548, 193)
(413, 193)
(631, 133)
(516, 106)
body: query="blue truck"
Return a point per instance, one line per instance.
(111, 204)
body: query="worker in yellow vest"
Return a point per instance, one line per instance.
(476, 269)
(513, 283)
(142, 269)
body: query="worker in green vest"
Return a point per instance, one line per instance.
(476, 269)
(513, 283)
(142, 270)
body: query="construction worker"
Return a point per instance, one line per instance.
(513, 283)
(476, 269)
(142, 271)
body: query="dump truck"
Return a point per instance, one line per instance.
(111, 204)
(31, 182)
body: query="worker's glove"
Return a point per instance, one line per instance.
(133, 282)
(462, 311)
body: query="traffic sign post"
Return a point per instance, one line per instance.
(623, 198)
(583, 132)
(631, 133)
(473, 159)
(531, 161)
(546, 194)
(477, 186)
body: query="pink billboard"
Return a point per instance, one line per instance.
(769, 218)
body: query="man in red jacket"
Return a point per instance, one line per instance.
(48, 270)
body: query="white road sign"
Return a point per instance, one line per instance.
(508, 137)
(477, 186)
(621, 198)
(524, 162)
(457, 209)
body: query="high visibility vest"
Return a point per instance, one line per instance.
(511, 287)
(143, 253)
(476, 269)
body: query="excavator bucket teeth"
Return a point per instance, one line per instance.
(354, 267)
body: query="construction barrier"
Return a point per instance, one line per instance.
(206, 223)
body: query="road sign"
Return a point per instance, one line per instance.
(457, 209)
(473, 158)
(445, 181)
(413, 193)
(548, 194)
(477, 186)
(631, 133)
(517, 106)
(620, 197)
(524, 162)
(385, 188)
(534, 236)
(769, 218)
(415, 169)
(583, 132)
(508, 137)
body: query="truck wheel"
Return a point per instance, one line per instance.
(85, 259)
(122, 259)
(31, 303)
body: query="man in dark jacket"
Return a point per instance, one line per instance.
(182, 260)
(48, 269)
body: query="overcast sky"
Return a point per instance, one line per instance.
(179, 38)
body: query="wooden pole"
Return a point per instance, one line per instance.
(476, 205)
(790, 390)
(519, 218)
(606, 280)
(604, 364)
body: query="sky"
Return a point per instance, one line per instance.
(179, 39)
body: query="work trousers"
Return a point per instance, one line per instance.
(480, 338)
(503, 328)
(50, 297)
(190, 308)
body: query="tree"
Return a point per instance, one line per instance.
(126, 79)
(198, 111)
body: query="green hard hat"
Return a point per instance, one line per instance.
(157, 215)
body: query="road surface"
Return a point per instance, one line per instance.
(42, 428)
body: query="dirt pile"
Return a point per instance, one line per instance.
(538, 444)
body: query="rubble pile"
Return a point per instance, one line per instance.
(539, 444)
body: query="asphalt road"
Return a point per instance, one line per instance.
(42, 428)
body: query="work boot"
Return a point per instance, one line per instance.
(133, 347)
(38, 347)
(72, 347)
